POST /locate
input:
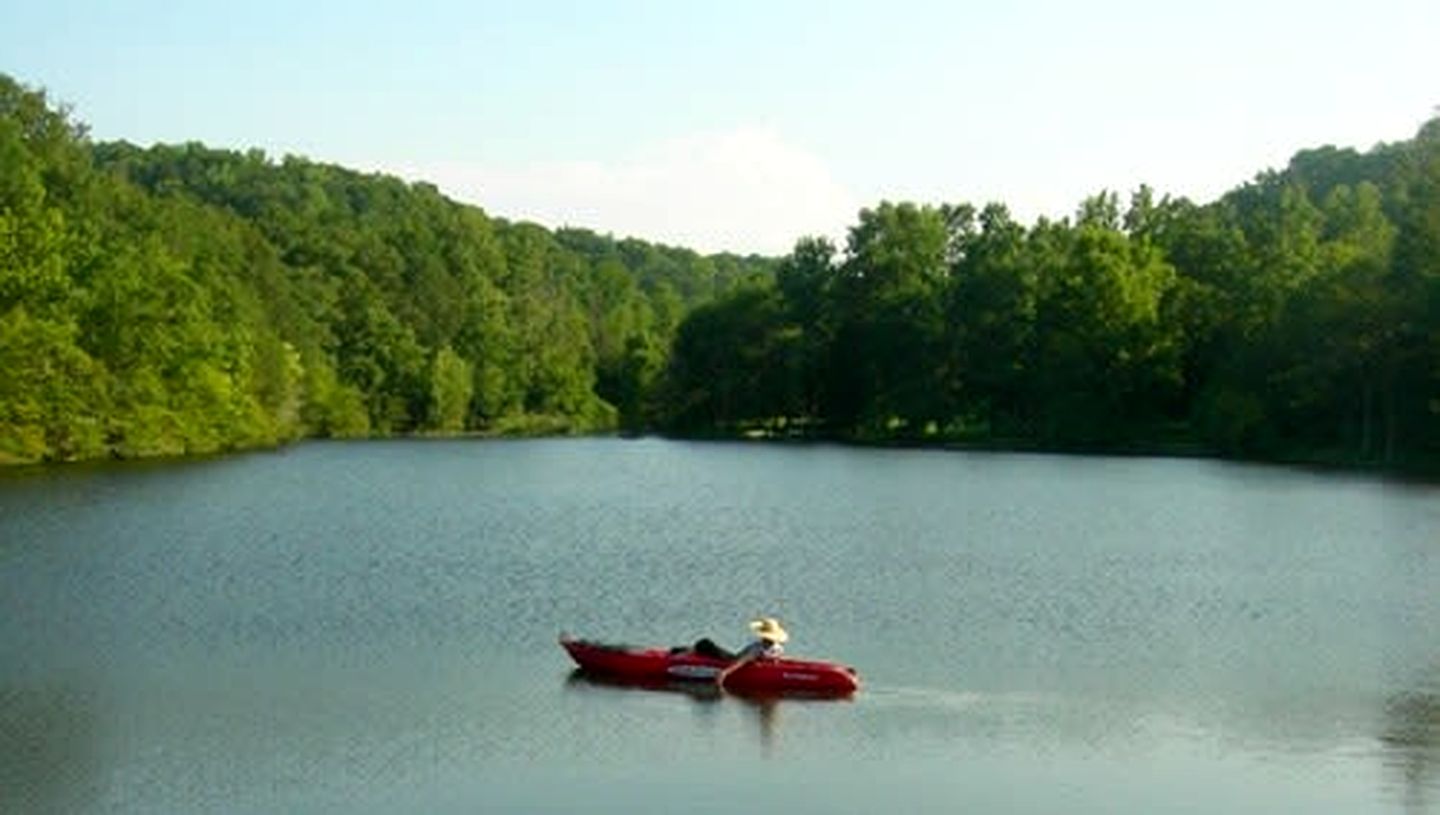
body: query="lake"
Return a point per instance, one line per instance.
(371, 627)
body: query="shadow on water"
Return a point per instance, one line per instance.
(1411, 741)
(705, 692)
(49, 749)
(766, 707)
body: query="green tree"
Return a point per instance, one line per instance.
(806, 280)
(726, 371)
(452, 384)
(992, 308)
(889, 324)
(53, 396)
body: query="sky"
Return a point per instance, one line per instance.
(742, 126)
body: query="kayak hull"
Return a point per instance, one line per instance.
(657, 666)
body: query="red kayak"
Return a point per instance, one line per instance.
(662, 665)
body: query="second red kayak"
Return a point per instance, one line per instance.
(661, 665)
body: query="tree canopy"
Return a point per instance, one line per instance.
(1296, 317)
(181, 299)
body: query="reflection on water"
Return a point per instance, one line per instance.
(704, 692)
(765, 707)
(1411, 741)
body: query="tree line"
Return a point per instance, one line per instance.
(1297, 317)
(179, 300)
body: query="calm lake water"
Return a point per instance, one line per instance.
(370, 627)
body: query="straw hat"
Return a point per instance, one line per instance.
(769, 628)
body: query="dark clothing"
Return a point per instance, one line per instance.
(706, 647)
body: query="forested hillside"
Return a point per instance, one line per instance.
(1297, 317)
(179, 300)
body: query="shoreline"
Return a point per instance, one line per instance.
(1426, 472)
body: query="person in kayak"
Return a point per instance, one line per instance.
(769, 641)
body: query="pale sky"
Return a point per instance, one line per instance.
(738, 125)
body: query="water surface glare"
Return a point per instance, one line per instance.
(370, 627)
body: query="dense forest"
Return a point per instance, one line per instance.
(181, 299)
(1295, 318)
